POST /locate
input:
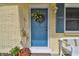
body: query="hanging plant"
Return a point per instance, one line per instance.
(38, 16)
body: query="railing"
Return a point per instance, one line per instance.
(60, 43)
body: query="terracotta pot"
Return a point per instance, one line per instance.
(24, 52)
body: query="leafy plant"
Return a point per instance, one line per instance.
(14, 51)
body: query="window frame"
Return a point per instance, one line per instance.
(68, 31)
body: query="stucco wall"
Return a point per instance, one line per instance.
(9, 27)
(53, 36)
(24, 23)
(24, 19)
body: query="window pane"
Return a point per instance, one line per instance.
(72, 25)
(72, 13)
(72, 19)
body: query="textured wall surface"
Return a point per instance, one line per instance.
(9, 28)
(53, 36)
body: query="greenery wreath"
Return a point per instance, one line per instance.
(38, 16)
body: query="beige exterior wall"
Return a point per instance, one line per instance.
(9, 27)
(23, 19)
(19, 19)
(53, 36)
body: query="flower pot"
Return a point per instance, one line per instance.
(24, 52)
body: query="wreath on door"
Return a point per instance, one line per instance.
(38, 16)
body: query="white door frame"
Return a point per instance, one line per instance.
(39, 49)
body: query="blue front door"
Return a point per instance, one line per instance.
(39, 29)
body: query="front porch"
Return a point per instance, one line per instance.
(16, 28)
(38, 27)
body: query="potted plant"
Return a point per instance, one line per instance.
(14, 51)
(24, 52)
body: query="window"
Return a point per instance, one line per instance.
(72, 19)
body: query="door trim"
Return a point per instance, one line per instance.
(41, 49)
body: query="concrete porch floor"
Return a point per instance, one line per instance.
(33, 54)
